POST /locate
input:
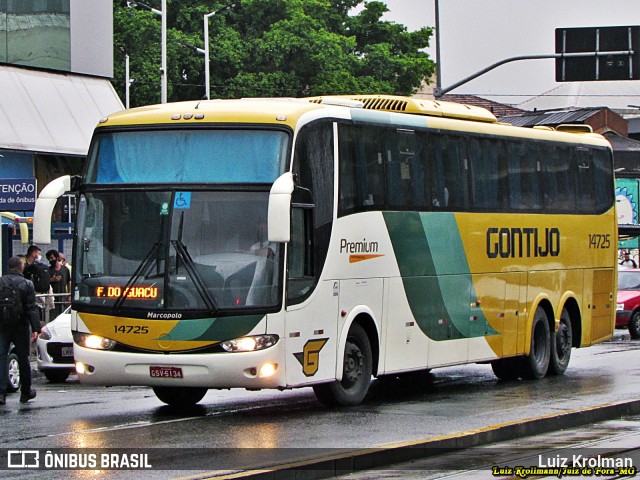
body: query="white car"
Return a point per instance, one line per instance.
(55, 348)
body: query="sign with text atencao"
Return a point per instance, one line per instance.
(18, 194)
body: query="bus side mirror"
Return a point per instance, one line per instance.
(45, 204)
(279, 219)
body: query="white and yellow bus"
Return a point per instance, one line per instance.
(283, 243)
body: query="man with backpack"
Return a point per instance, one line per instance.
(18, 316)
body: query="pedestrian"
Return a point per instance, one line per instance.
(63, 261)
(60, 282)
(38, 273)
(18, 317)
(628, 261)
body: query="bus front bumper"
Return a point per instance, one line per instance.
(253, 370)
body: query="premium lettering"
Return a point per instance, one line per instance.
(523, 242)
(358, 247)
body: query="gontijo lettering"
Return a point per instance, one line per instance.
(523, 242)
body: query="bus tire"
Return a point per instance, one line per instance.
(536, 364)
(506, 368)
(634, 325)
(180, 396)
(561, 343)
(356, 374)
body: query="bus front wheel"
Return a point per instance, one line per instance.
(356, 373)
(561, 343)
(180, 396)
(536, 364)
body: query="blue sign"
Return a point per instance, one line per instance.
(17, 194)
(183, 200)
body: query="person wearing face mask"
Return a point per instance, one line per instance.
(38, 273)
(60, 282)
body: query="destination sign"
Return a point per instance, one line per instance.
(143, 293)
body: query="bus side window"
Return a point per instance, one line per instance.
(558, 185)
(487, 172)
(585, 173)
(362, 164)
(300, 269)
(524, 168)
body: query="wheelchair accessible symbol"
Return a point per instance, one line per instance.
(182, 200)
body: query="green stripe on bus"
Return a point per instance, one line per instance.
(213, 329)
(435, 274)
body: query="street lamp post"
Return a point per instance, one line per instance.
(163, 21)
(163, 66)
(207, 77)
(127, 83)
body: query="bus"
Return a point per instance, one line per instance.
(284, 243)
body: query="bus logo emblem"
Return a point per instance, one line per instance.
(309, 358)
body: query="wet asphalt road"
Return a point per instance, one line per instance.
(230, 430)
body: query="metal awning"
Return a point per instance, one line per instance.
(47, 112)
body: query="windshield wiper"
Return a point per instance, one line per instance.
(142, 268)
(190, 267)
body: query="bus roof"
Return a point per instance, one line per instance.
(287, 111)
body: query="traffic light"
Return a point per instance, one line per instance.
(595, 64)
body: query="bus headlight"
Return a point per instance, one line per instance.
(95, 342)
(250, 344)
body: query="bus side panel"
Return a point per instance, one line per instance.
(406, 346)
(487, 317)
(515, 318)
(311, 337)
(602, 305)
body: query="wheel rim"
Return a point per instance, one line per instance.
(14, 373)
(353, 365)
(636, 323)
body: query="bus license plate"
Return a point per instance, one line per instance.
(67, 351)
(165, 372)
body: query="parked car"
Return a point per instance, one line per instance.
(628, 302)
(55, 349)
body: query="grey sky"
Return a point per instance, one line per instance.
(477, 33)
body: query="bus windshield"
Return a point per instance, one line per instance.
(162, 250)
(188, 156)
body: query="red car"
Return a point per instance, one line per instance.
(628, 303)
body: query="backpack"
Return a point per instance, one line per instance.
(10, 303)
(39, 275)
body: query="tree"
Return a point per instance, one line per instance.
(270, 48)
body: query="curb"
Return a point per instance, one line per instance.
(371, 458)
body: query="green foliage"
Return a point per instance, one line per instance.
(269, 48)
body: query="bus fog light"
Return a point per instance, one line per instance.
(83, 368)
(268, 369)
(250, 343)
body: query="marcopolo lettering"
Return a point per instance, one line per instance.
(523, 242)
(164, 316)
(358, 247)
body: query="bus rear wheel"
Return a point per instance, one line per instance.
(180, 396)
(356, 373)
(561, 343)
(536, 364)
